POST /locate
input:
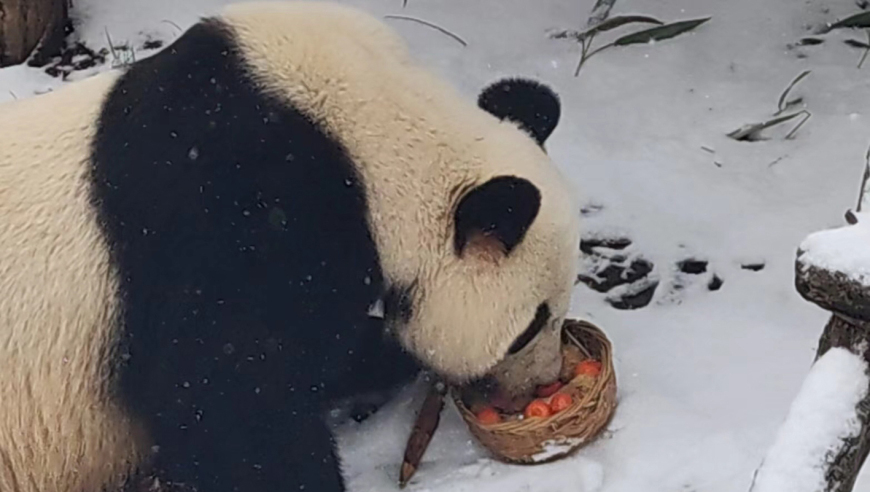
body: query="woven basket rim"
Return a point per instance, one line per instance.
(523, 441)
(589, 397)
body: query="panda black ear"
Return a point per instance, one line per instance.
(533, 106)
(493, 218)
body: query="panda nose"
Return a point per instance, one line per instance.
(542, 315)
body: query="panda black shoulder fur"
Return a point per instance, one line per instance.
(189, 251)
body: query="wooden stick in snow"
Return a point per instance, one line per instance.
(424, 428)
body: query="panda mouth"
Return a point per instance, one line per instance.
(542, 315)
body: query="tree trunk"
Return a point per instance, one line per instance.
(31, 25)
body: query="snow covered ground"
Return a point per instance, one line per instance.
(706, 376)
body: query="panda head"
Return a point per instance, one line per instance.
(476, 230)
(491, 311)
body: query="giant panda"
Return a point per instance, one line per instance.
(203, 250)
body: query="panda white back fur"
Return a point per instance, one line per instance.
(189, 250)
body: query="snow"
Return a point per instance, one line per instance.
(822, 415)
(705, 377)
(841, 250)
(556, 448)
(453, 461)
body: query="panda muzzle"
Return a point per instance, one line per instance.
(542, 315)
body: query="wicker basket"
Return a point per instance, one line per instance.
(541, 440)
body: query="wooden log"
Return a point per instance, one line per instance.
(31, 27)
(833, 291)
(847, 460)
(848, 327)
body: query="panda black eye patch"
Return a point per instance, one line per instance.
(542, 315)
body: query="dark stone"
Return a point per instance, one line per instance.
(635, 300)
(692, 266)
(588, 245)
(614, 275)
(715, 283)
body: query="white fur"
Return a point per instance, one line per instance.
(58, 430)
(416, 139)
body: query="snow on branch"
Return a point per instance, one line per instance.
(822, 420)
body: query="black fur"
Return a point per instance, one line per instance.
(539, 322)
(398, 304)
(533, 106)
(246, 267)
(503, 208)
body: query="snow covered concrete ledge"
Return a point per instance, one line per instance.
(822, 420)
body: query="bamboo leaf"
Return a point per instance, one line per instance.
(600, 11)
(658, 33)
(607, 25)
(619, 20)
(811, 41)
(858, 20)
(781, 102)
(857, 44)
(752, 131)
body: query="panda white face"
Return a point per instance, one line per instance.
(494, 316)
(491, 309)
